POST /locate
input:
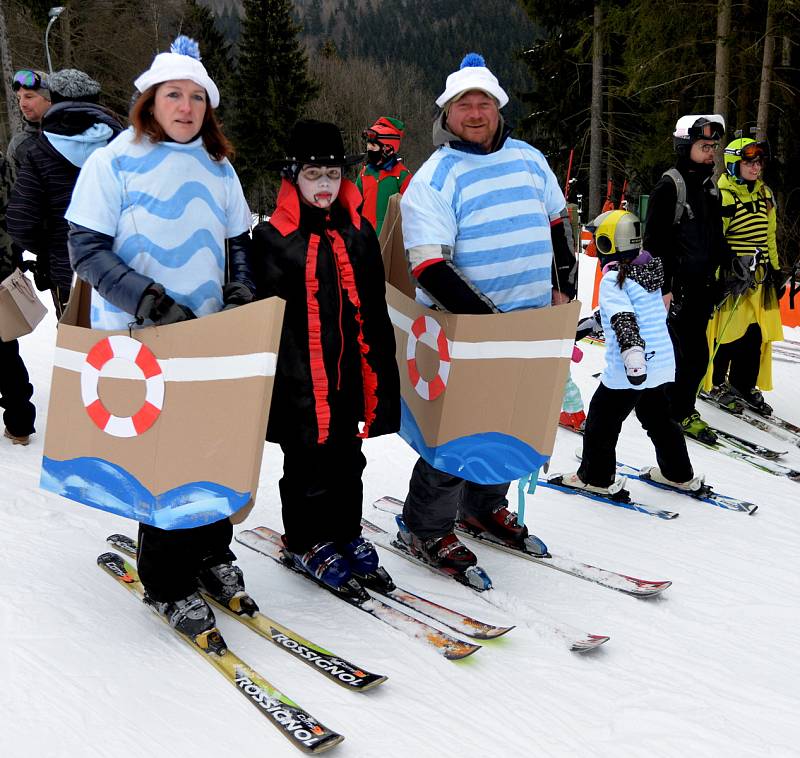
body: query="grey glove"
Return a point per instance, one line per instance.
(160, 308)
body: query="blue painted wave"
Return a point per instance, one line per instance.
(172, 257)
(142, 164)
(104, 485)
(174, 207)
(485, 458)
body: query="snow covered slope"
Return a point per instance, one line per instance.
(708, 669)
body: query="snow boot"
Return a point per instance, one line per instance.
(728, 397)
(446, 552)
(693, 426)
(694, 485)
(754, 400)
(614, 490)
(363, 559)
(190, 615)
(17, 439)
(574, 421)
(225, 583)
(326, 564)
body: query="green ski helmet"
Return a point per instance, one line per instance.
(746, 149)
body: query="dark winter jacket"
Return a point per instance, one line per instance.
(8, 258)
(692, 249)
(45, 182)
(336, 364)
(20, 143)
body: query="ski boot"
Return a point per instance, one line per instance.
(754, 400)
(615, 491)
(364, 563)
(325, 564)
(190, 615)
(501, 525)
(574, 421)
(728, 398)
(446, 552)
(693, 426)
(225, 584)
(695, 486)
(17, 439)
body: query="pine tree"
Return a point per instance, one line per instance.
(199, 24)
(273, 86)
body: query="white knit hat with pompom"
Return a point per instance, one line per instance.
(472, 74)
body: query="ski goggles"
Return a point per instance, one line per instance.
(28, 79)
(370, 135)
(709, 130)
(752, 151)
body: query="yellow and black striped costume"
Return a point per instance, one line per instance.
(749, 222)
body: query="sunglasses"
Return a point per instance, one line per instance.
(27, 79)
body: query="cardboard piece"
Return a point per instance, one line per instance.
(20, 307)
(481, 395)
(164, 425)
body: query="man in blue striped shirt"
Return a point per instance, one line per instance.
(483, 225)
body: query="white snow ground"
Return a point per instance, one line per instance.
(709, 669)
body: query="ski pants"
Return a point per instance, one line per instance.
(322, 493)
(435, 499)
(739, 361)
(169, 560)
(687, 328)
(15, 391)
(607, 410)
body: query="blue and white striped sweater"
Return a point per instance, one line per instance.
(170, 208)
(651, 317)
(494, 211)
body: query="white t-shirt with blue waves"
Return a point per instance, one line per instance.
(494, 211)
(169, 208)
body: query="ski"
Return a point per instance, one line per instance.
(330, 665)
(268, 542)
(774, 425)
(302, 729)
(630, 585)
(770, 467)
(624, 501)
(749, 445)
(705, 495)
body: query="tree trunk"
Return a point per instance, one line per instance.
(596, 135)
(14, 117)
(722, 68)
(66, 33)
(762, 119)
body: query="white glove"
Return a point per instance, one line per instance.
(635, 364)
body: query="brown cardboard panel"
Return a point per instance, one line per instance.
(213, 417)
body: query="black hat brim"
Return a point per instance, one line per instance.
(316, 160)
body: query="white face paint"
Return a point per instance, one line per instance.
(319, 185)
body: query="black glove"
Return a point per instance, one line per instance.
(160, 308)
(236, 293)
(41, 276)
(777, 280)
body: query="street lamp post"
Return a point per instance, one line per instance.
(53, 13)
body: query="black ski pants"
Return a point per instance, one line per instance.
(687, 328)
(322, 493)
(607, 410)
(15, 391)
(435, 499)
(739, 361)
(169, 560)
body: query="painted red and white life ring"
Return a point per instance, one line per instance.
(428, 390)
(129, 349)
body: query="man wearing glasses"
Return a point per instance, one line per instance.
(33, 96)
(684, 228)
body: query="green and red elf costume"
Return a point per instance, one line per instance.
(384, 174)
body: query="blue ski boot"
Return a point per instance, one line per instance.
(363, 559)
(331, 570)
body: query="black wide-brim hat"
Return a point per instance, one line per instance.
(317, 142)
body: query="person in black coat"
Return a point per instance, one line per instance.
(336, 367)
(72, 129)
(690, 242)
